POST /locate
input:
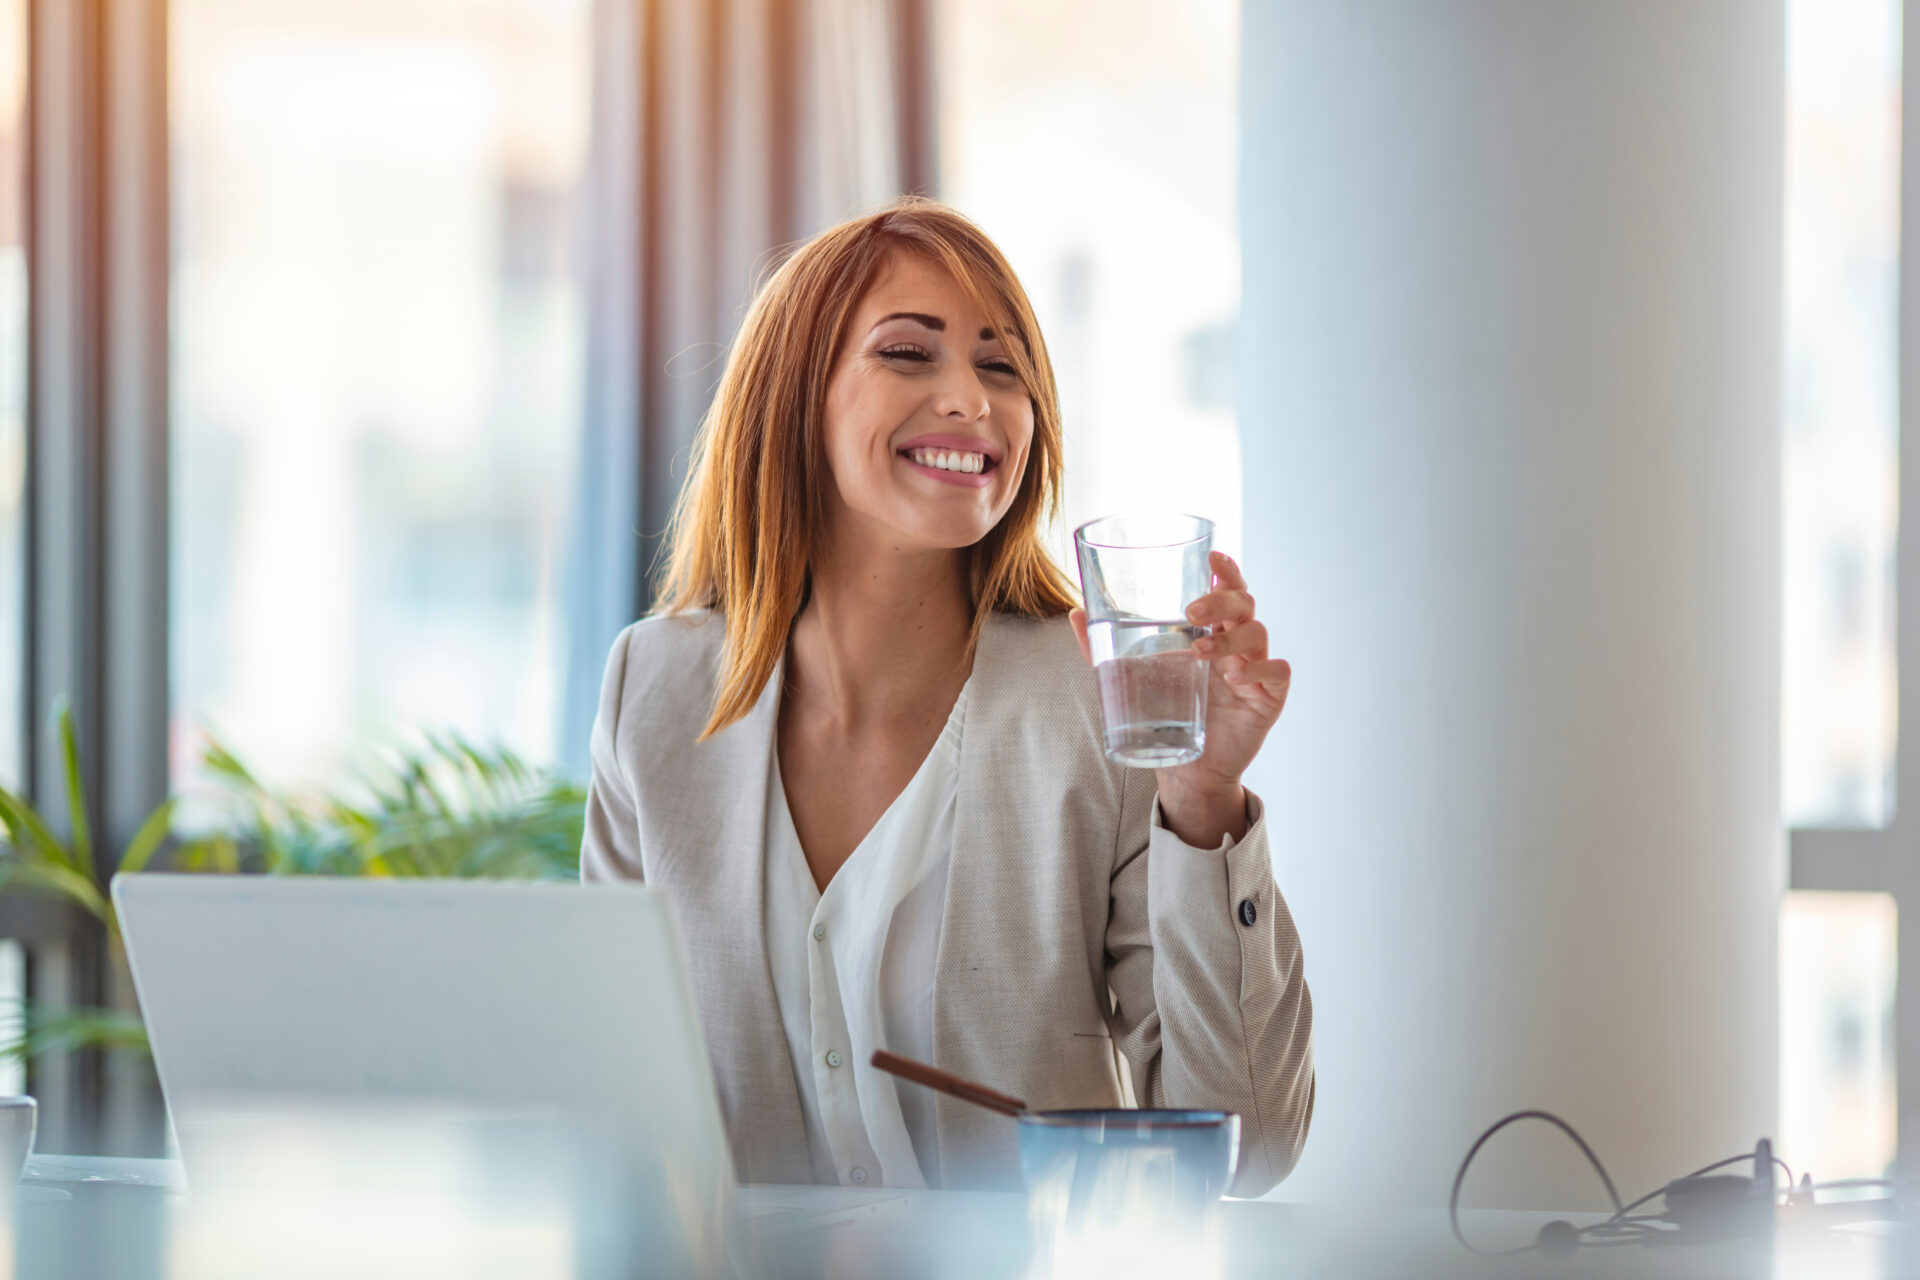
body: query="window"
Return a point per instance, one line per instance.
(1097, 145)
(377, 354)
(1842, 502)
(13, 383)
(1841, 494)
(1837, 1115)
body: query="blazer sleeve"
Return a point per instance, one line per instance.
(610, 845)
(1211, 1003)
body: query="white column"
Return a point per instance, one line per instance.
(1510, 369)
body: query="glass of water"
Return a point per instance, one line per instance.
(1138, 575)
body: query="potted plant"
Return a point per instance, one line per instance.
(443, 809)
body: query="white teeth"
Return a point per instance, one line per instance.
(950, 460)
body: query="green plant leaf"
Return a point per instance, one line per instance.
(217, 759)
(148, 839)
(56, 878)
(28, 832)
(76, 794)
(42, 1030)
(444, 808)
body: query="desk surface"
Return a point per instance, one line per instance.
(956, 1234)
(117, 1225)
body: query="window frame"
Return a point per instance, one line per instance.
(98, 261)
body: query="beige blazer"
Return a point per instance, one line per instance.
(1080, 939)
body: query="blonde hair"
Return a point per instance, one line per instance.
(754, 508)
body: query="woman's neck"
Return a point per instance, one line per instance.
(884, 636)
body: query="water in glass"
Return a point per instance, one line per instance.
(1153, 690)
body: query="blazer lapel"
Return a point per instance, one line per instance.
(752, 1041)
(957, 995)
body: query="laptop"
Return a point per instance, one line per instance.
(337, 1004)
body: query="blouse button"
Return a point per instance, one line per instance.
(833, 1057)
(1248, 913)
(819, 932)
(859, 1176)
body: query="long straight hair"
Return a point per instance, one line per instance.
(744, 531)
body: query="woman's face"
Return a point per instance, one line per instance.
(928, 424)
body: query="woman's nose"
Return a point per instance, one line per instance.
(962, 396)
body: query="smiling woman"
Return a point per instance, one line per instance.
(859, 750)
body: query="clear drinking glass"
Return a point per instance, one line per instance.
(1138, 575)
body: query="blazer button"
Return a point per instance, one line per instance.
(1248, 913)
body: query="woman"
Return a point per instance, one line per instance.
(857, 749)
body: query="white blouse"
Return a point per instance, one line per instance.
(853, 972)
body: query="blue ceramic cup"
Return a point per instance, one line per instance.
(1082, 1168)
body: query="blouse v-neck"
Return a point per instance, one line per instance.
(853, 967)
(943, 754)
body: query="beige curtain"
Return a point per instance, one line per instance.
(723, 131)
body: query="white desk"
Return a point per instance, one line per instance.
(115, 1227)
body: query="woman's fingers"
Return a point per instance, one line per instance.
(1079, 619)
(1249, 638)
(1227, 607)
(1227, 572)
(1274, 675)
(1229, 603)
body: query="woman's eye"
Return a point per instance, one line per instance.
(906, 353)
(1001, 366)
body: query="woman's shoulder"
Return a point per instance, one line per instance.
(666, 662)
(1042, 645)
(675, 638)
(1038, 662)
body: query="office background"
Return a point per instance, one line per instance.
(1542, 366)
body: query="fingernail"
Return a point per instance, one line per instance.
(1203, 646)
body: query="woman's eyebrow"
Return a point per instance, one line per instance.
(934, 323)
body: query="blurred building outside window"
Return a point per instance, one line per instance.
(13, 385)
(1841, 507)
(377, 370)
(1095, 141)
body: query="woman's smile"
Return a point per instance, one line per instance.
(958, 460)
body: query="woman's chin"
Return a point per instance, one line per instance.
(940, 535)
